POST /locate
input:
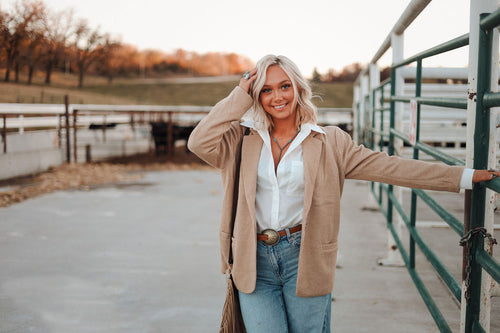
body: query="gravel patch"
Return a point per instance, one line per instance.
(84, 175)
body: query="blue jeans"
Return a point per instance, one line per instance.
(274, 306)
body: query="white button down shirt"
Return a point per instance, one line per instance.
(279, 198)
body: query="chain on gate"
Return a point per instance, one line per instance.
(466, 241)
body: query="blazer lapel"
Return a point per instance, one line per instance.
(311, 151)
(250, 155)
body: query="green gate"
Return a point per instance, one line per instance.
(473, 235)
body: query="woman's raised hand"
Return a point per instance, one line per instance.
(247, 80)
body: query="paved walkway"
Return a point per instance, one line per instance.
(143, 257)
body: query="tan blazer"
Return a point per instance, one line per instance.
(328, 160)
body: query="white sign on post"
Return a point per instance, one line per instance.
(413, 122)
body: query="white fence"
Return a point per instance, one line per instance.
(37, 136)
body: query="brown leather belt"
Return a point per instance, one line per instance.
(272, 237)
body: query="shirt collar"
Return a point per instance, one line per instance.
(248, 123)
(305, 130)
(307, 126)
(312, 127)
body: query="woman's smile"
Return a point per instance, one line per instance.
(279, 107)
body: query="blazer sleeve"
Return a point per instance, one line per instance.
(359, 162)
(214, 139)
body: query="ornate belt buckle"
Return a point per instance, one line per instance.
(273, 237)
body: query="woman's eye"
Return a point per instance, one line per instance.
(266, 90)
(285, 86)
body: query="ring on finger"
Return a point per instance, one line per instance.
(493, 174)
(246, 75)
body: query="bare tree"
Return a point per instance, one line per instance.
(9, 42)
(130, 60)
(58, 30)
(3, 28)
(31, 48)
(17, 26)
(32, 36)
(87, 47)
(112, 58)
(34, 54)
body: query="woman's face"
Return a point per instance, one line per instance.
(277, 95)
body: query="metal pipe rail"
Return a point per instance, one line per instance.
(424, 293)
(477, 257)
(457, 103)
(436, 153)
(80, 115)
(494, 185)
(451, 220)
(73, 112)
(422, 289)
(382, 134)
(451, 45)
(409, 15)
(489, 264)
(490, 21)
(491, 99)
(433, 259)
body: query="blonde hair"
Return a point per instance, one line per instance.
(305, 110)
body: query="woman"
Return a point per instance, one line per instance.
(292, 172)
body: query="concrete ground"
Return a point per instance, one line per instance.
(143, 257)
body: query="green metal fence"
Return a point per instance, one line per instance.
(472, 233)
(478, 259)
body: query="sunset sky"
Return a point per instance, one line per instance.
(314, 33)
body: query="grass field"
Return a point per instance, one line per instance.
(139, 91)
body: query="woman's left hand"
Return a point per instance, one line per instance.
(484, 175)
(246, 83)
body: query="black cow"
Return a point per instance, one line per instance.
(159, 131)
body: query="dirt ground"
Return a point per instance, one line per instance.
(84, 175)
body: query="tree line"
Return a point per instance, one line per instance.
(348, 73)
(36, 38)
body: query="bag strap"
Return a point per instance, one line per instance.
(235, 194)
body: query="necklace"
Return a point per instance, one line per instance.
(286, 145)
